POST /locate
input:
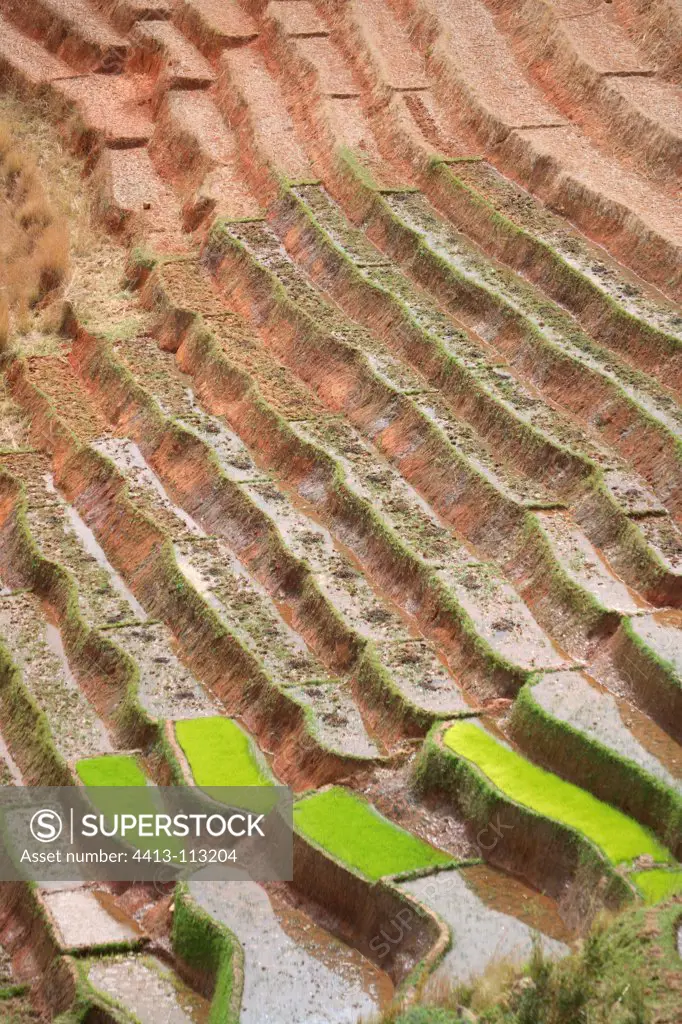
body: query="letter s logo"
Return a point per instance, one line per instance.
(46, 826)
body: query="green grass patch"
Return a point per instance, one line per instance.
(657, 885)
(111, 770)
(219, 753)
(619, 837)
(352, 831)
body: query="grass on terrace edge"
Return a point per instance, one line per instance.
(620, 838)
(627, 970)
(351, 830)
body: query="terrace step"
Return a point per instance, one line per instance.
(167, 688)
(335, 119)
(408, 119)
(618, 311)
(63, 537)
(214, 25)
(248, 95)
(81, 920)
(386, 45)
(582, 54)
(24, 62)
(647, 653)
(321, 59)
(124, 13)
(133, 200)
(218, 752)
(586, 567)
(469, 759)
(626, 215)
(36, 648)
(111, 110)
(367, 842)
(199, 147)
(218, 575)
(481, 930)
(500, 617)
(308, 971)
(54, 377)
(570, 725)
(296, 18)
(161, 48)
(146, 987)
(614, 206)
(100, 594)
(656, 27)
(72, 30)
(477, 64)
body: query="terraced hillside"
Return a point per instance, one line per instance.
(341, 448)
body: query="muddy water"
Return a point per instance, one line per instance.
(492, 917)
(53, 639)
(167, 689)
(82, 919)
(149, 990)
(586, 565)
(662, 631)
(295, 972)
(576, 699)
(129, 459)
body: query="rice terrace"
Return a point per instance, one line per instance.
(341, 450)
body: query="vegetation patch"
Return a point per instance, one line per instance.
(219, 753)
(111, 770)
(619, 837)
(658, 884)
(351, 830)
(626, 971)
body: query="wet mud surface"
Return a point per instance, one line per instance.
(492, 918)
(295, 972)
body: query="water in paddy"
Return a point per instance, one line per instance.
(294, 971)
(148, 989)
(492, 917)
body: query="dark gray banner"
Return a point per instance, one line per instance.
(145, 833)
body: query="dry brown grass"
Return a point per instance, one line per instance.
(34, 251)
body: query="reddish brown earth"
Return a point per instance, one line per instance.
(357, 410)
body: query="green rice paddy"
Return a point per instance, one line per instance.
(657, 884)
(111, 770)
(619, 837)
(219, 753)
(354, 832)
